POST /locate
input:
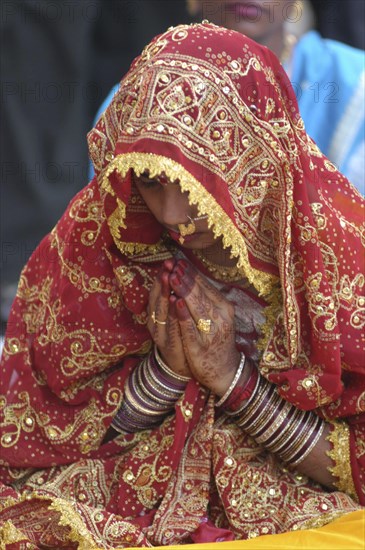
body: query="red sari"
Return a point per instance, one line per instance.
(210, 107)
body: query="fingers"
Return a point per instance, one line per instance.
(159, 305)
(174, 339)
(187, 327)
(201, 300)
(162, 323)
(190, 276)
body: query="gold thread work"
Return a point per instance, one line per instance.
(339, 437)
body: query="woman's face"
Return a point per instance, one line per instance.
(171, 207)
(258, 19)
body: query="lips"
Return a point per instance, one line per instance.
(246, 10)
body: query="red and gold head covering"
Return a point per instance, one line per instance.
(214, 109)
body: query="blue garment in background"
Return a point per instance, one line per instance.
(329, 80)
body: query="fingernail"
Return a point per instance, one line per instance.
(181, 309)
(175, 279)
(169, 265)
(165, 285)
(184, 264)
(180, 271)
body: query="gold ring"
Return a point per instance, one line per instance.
(203, 325)
(156, 321)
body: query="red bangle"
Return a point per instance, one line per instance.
(240, 394)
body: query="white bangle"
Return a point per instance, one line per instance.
(234, 382)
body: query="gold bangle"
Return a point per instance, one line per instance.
(162, 407)
(294, 447)
(269, 417)
(311, 446)
(276, 424)
(247, 403)
(250, 408)
(138, 407)
(157, 383)
(151, 396)
(261, 421)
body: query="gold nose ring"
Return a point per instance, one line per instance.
(187, 228)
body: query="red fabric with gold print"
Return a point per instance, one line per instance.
(210, 107)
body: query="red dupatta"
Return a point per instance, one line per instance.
(215, 110)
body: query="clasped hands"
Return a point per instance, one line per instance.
(193, 326)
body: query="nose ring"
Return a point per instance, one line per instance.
(187, 228)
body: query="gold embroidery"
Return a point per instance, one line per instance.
(153, 469)
(9, 534)
(83, 210)
(74, 270)
(339, 437)
(320, 219)
(85, 349)
(221, 224)
(21, 416)
(360, 405)
(220, 272)
(265, 497)
(313, 388)
(321, 306)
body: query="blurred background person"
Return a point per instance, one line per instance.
(328, 76)
(58, 62)
(342, 21)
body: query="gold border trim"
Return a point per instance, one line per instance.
(9, 534)
(323, 519)
(69, 517)
(339, 437)
(218, 220)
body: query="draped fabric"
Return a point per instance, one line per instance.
(345, 532)
(211, 108)
(329, 81)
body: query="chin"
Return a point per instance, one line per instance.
(199, 243)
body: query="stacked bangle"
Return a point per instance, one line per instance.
(166, 369)
(239, 395)
(276, 424)
(151, 392)
(233, 384)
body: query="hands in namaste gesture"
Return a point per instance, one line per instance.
(193, 326)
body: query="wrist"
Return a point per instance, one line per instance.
(243, 390)
(170, 375)
(234, 381)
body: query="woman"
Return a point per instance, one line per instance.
(183, 358)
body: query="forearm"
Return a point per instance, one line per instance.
(303, 440)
